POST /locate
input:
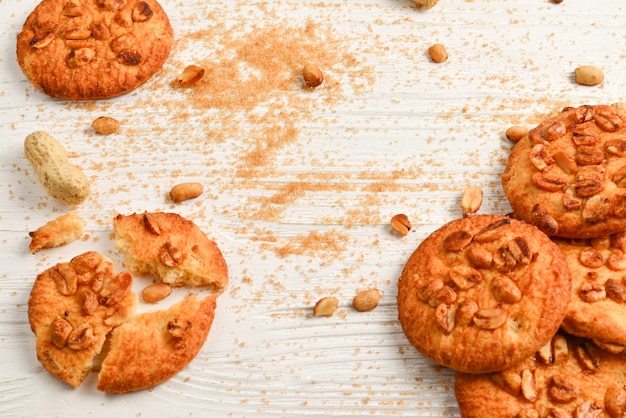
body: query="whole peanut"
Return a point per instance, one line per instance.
(61, 180)
(105, 125)
(516, 133)
(185, 191)
(438, 53)
(588, 75)
(312, 75)
(366, 301)
(471, 200)
(155, 292)
(326, 306)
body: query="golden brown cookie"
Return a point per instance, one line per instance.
(154, 346)
(482, 293)
(93, 49)
(570, 377)
(597, 307)
(568, 176)
(57, 232)
(171, 248)
(71, 309)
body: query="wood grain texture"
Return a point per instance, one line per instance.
(299, 185)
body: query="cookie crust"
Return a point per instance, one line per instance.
(482, 293)
(93, 49)
(568, 176)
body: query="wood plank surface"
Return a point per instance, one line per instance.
(299, 184)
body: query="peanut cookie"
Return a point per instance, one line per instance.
(597, 307)
(71, 309)
(482, 293)
(568, 176)
(171, 248)
(93, 49)
(154, 346)
(569, 377)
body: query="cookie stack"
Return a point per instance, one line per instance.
(530, 309)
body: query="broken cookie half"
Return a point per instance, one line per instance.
(154, 346)
(171, 248)
(72, 308)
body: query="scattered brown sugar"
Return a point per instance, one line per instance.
(252, 99)
(252, 102)
(254, 81)
(316, 244)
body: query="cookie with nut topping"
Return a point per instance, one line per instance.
(568, 176)
(569, 377)
(71, 309)
(154, 346)
(93, 49)
(170, 248)
(483, 293)
(597, 307)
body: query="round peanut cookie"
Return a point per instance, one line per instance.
(482, 293)
(71, 309)
(93, 49)
(597, 307)
(569, 377)
(154, 346)
(568, 176)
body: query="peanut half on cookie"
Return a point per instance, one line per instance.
(483, 293)
(93, 49)
(568, 175)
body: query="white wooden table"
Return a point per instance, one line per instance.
(388, 132)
